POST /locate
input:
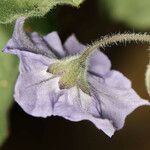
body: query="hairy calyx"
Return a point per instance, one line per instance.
(73, 70)
(73, 73)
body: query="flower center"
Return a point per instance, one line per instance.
(72, 72)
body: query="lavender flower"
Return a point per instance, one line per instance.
(52, 81)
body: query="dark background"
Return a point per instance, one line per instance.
(89, 22)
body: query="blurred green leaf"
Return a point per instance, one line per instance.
(135, 13)
(12, 9)
(8, 73)
(147, 78)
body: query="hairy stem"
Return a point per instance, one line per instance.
(108, 40)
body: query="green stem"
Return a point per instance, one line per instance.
(108, 40)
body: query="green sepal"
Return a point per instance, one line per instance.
(72, 73)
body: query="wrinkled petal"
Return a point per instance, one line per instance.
(73, 46)
(54, 42)
(42, 44)
(22, 41)
(35, 90)
(75, 105)
(111, 96)
(99, 63)
(35, 96)
(117, 80)
(116, 97)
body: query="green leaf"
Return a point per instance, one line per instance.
(12, 9)
(134, 13)
(8, 73)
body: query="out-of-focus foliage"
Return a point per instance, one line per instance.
(8, 73)
(147, 79)
(135, 13)
(12, 9)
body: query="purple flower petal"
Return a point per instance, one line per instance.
(41, 44)
(99, 63)
(73, 46)
(22, 41)
(36, 90)
(75, 105)
(54, 42)
(116, 97)
(111, 96)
